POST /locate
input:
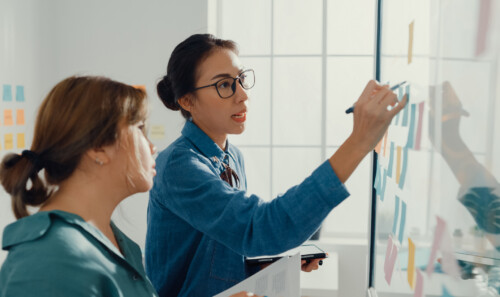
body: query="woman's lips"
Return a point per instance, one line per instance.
(239, 117)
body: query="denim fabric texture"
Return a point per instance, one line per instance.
(200, 228)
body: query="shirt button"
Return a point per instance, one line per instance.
(135, 277)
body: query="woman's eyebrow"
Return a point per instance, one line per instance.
(223, 75)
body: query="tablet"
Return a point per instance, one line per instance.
(307, 252)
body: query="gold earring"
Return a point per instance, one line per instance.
(98, 161)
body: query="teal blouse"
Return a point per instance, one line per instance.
(57, 253)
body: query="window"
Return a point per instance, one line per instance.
(312, 59)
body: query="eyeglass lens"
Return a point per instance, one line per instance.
(226, 87)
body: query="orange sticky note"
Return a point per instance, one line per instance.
(385, 142)
(20, 117)
(411, 264)
(9, 141)
(140, 87)
(379, 145)
(410, 42)
(8, 120)
(20, 140)
(398, 165)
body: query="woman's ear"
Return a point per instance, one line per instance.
(99, 156)
(186, 102)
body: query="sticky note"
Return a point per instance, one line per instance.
(436, 243)
(385, 142)
(384, 181)
(140, 87)
(391, 160)
(7, 93)
(419, 285)
(442, 242)
(410, 41)
(404, 168)
(391, 254)
(8, 120)
(377, 183)
(20, 93)
(446, 293)
(403, 222)
(157, 132)
(20, 140)
(419, 125)
(405, 111)
(483, 26)
(411, 129)
(20, 117)
(9, 141)
(411, 263)
(396, 216)
(379, 146)
(398, 163)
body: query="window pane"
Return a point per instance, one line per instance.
(346, 79)
(257, 165)
(351, 30)
(247, 22)
(298, 26)
(258, 128)
(296, 102)
(351, 216)
(292, 165)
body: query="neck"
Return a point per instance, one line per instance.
(219, 138)
(90, 198)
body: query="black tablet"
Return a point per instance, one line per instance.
(307, 252)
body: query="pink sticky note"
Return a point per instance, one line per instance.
(483, 25)
(391, 254)
(442, 242)
(419, 125)
(419, 286)
(436, 243)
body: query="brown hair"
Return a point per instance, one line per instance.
(79, 113)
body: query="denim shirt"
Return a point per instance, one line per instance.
(58, 254)
(200, 228)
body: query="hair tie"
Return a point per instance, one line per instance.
(34, 158)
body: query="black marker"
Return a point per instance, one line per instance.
(351, 109)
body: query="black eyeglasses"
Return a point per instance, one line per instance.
(227, 86)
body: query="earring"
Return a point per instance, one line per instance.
(98, 161)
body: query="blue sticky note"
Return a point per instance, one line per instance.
(384, 181)
(403, 221)
(404, 167)
(411, 129)
(7, 93)
(405, 116)
(391, 160)
(407, 93)
(376, 183)
(20, 93)
(396, 216)
(446, 293)
(396, 120)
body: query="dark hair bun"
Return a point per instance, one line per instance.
(166, 93)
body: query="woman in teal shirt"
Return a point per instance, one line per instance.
(90, 141)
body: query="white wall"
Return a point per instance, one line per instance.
(130, 41)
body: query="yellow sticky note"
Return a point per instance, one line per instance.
(410, 42)
(20, 117)
(20, 140)
(9, 141)
(157, 132)
(398, 165)
(8, 120)
(411, 263)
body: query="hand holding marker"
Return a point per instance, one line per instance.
(351, 109)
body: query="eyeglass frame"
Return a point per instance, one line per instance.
(233, 85)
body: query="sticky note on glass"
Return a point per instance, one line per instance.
(20, 117)
(20, 140)
(9, 141)
(157, 132)
(20, 93)
(7, 93)
(391, 254)
(411, 263)
(8, 119)
(410, 42)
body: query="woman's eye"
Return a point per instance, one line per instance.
(224, 84)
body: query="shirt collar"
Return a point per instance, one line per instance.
(204, 143)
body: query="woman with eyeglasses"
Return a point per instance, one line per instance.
(201, 221)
